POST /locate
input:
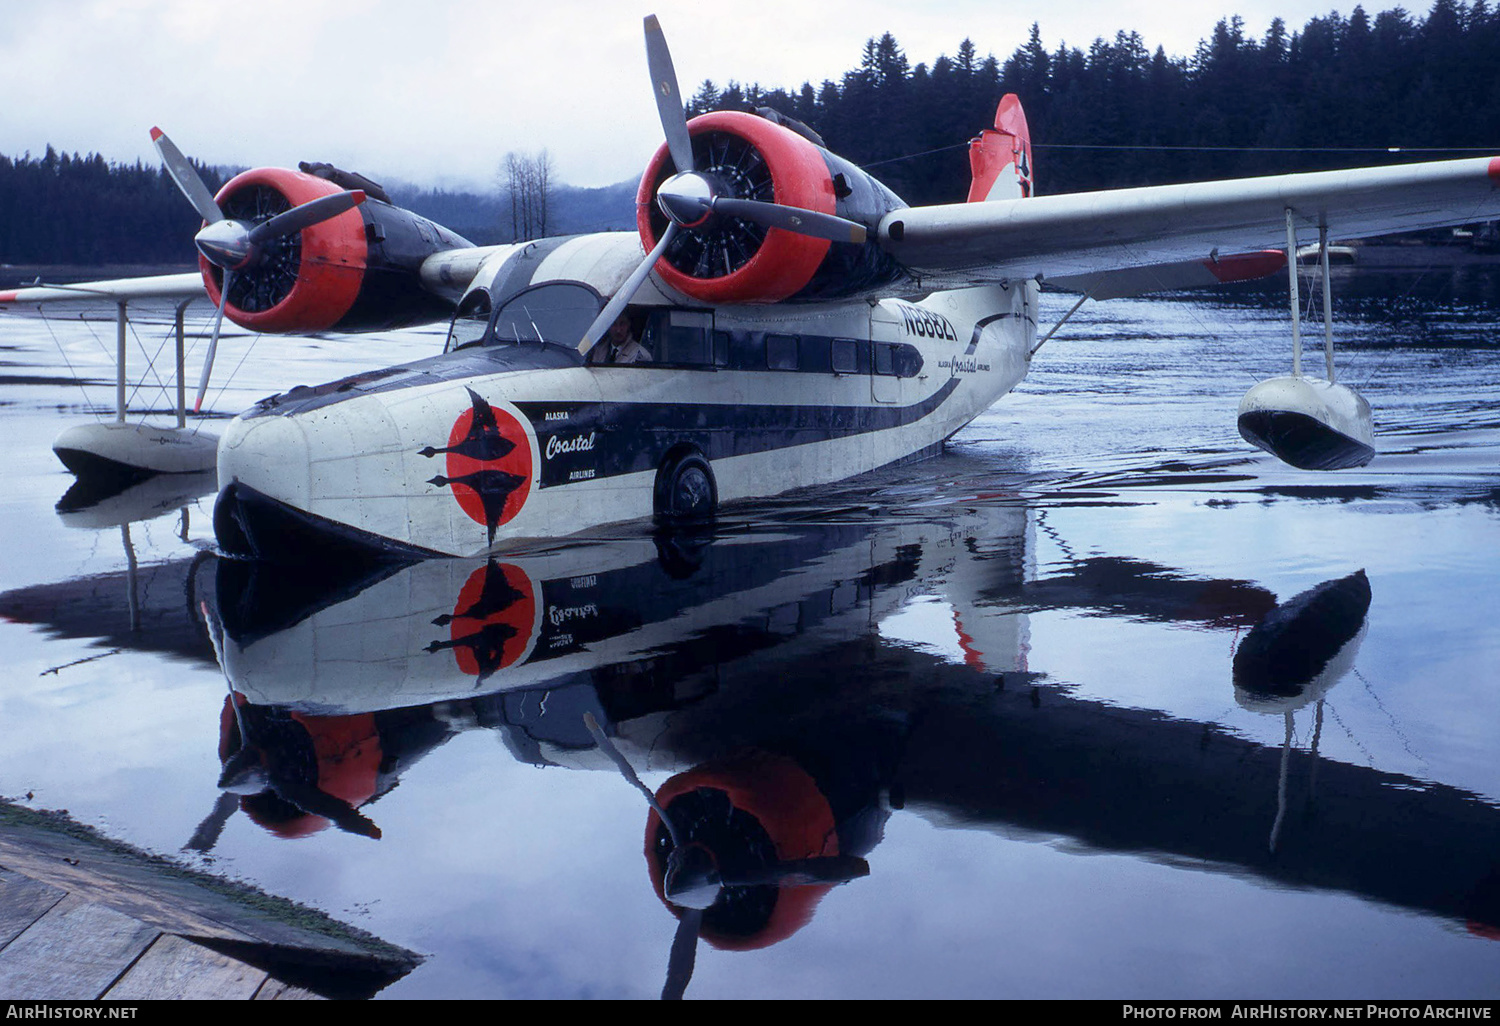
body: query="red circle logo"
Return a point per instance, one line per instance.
(488, 462)
(493, 620)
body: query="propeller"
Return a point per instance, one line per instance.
(235, 245)
(691, 197)
(694, 882)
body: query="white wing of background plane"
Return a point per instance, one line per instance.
(1070, 237)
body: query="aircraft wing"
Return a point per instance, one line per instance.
(445, 274)
(101, 297)
(1099, 233)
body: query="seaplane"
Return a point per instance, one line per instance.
(779, 320)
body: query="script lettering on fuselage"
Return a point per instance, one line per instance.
(963, 365)
(926, 324)
(557, 445)
(559, 615)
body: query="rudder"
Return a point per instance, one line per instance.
(1000, 157)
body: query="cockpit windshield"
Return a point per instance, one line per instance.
(557, 312)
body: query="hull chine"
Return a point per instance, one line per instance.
(252, 525)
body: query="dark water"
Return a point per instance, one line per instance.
(1101, 703)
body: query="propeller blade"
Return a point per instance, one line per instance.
(213, 343)
(683, 957)
(188, 182)
(825, 869)
(668, 98)
(305, 216)
(316, 802)
(626, 770)
(207, 834)
(626, 292)
(792, 219)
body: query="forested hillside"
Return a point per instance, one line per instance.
(1120, 113)
(1339, 91)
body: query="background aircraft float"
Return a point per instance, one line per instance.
(792, 323)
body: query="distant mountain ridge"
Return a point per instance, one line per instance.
(61, 209)
(484, 218)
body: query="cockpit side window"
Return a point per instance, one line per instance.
(556, 312)
(470, 321)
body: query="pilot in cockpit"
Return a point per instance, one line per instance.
(620, 345)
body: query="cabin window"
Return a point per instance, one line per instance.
(845, 355)
(684, 346)
(682, 338)
(721, 349)
(885, 362)
(781, 352)
(557, 312)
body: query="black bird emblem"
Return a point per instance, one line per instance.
(484, 443)
(496, 595)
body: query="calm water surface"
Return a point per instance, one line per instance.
(1108, 704)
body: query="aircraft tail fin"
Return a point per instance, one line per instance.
(1000, 157)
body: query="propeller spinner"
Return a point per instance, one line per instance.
(236, 245)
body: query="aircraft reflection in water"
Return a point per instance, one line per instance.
(1296, 655)
(710, 658)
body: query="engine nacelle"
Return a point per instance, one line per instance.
(358, 271)
(729, 260)
(745, 814)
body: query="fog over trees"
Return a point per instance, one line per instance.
(1340, 91)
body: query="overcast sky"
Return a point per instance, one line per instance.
(438, 91)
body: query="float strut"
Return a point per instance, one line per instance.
(120, 363)
(1327, 300)
(181, 385)
(1296, 297)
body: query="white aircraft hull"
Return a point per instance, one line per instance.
(450, 629)
(397, 461)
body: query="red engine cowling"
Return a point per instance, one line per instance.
(729, 260)
(358, 271)
(755, 809)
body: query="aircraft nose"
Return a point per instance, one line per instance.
(312, 486)
(264, 467)
(270, 455)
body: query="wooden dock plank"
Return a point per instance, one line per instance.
(277, 990)
(175, 968)
(73, 952)
(46, 858)
(22, 902)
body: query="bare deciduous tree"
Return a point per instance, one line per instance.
(527, 179)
